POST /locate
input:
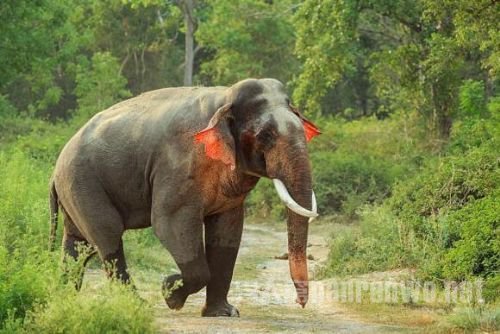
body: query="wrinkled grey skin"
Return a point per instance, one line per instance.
(136, 165)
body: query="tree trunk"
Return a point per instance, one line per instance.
(188, 9)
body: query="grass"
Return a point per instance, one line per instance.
(114, 309)
(471, 320)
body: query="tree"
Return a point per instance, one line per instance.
(247, 38)
(39, 44)
(143, 35)
(99, 84)
(190, 27)
(414, 54)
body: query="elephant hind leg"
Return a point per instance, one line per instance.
(102, 225)
(77, 253)
(116, 266)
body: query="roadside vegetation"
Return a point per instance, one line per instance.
(405, 93)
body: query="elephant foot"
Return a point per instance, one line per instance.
(173, 292)
(220, 310)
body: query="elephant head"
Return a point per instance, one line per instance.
(258, 132)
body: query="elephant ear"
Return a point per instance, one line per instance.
(216, 146)
(310, 129)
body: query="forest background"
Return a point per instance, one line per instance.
(405, 92)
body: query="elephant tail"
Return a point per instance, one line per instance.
(54, 213)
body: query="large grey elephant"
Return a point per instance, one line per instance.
(182, 160)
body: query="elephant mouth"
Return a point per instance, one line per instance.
(287, 199)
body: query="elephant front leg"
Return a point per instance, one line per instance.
(182, 234)
(222, 241)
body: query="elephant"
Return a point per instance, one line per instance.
(182, 161)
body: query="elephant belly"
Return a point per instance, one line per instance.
(136, 219)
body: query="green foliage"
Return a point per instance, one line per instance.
(354, 163)
(326, 56)
(26, 278)
(263, 202)
(448, 186)
(380, 243)
(397, 55)
(39, 47)
(344, 182)
(247, 38)
(142, 35)
(477, 250)
(6, 108)
(471, 133)
(27, 271)
(100, 84)
(471, 320)
(450, 207)
(13, 125)
(443, 221)
(115, 309)
(32, 297)
(472, 99)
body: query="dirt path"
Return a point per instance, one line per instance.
(264, 294)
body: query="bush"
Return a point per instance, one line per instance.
(471, 320)
(477, 250)
(446, 185)
(380, 243)
(344, 182)
(114, 309)
(472, 101)
(263, 201)
(443, 221)
(470, 133)
(354, 163)
(27, 270)
(26, 278)
(100, 84)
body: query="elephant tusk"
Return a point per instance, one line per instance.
(314, 206)
(291, 204)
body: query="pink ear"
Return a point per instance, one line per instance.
(310, 129)
(215, 146)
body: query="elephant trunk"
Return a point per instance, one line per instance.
(294, 176)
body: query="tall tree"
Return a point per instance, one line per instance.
(415, 53)
(247, 38)
(39, 45)
(190, 27)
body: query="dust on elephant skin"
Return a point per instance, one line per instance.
(182, 160)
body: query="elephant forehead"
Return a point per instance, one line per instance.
(283, 119)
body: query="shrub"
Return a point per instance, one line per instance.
(344, 182)
(477, 250)
(114, 309)
(27, 270)
(470, 133)
(470, 320)
(354, 163)
(27, 276)
(472, 101)
(264, 202)
(443, 221)
(380, 243)
(446, 185)
(100, 84)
